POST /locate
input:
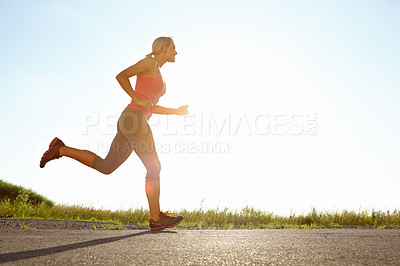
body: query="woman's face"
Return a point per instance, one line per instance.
(171, 53)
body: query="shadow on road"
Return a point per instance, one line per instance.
(21, 255)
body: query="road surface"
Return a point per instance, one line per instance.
(191, 247)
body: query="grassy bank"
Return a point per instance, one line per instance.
(11, 192)
(23, 207)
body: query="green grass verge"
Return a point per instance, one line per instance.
(247, 218)
(22, 206)
(13, 192)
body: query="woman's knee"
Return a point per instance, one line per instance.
(107, 171)
(104, 168)
(153, 171)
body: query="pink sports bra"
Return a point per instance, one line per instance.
(151, 88)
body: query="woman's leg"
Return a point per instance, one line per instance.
(152, 183)
(118, 153)
(83, 156)
(137, 131)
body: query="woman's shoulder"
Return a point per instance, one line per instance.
(150, 67)
(149, 62)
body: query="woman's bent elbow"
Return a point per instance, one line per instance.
(122, 75)
(119, 76)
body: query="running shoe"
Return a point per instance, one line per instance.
(53, 152)
(165, 221)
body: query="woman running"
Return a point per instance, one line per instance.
(133, 130)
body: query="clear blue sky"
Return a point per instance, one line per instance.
(255, 64)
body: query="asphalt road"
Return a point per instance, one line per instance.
(191, 247)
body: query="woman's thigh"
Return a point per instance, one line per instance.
(133, 125)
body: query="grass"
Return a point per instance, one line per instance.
(12, 192)
(22, 206)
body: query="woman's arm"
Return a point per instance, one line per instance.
(123, 80)
(171, 111)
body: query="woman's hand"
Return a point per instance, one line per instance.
(182, 110)
(146, 103)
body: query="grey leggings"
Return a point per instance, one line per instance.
(134, 134)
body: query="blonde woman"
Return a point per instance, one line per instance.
(134, 133)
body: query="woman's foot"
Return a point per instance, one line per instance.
(53, 152)
(165, 221)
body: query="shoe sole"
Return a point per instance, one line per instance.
(54, 141)
(164, 227)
